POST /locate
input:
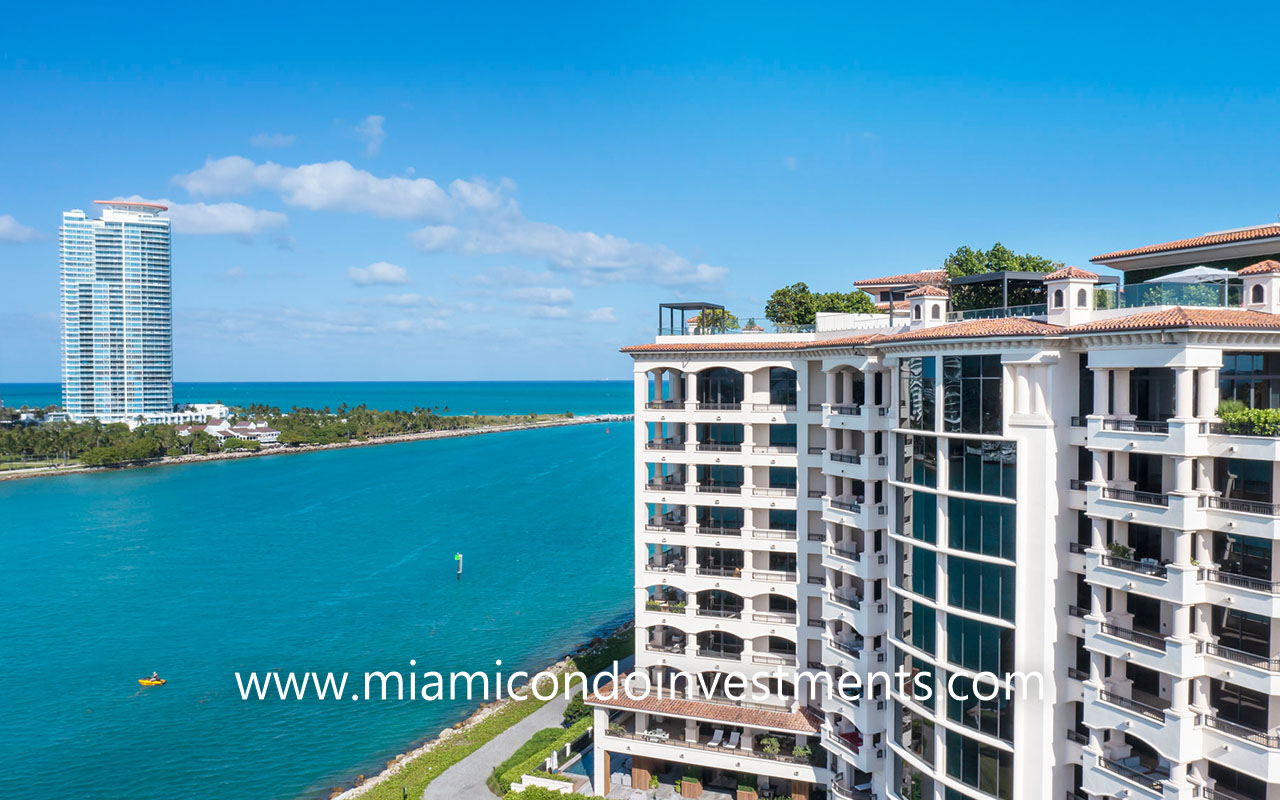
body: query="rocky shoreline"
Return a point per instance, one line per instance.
(279, 450)
(364, 785)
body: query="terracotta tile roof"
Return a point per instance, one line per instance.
(973, 329)
(799, 721)
(929, 291)
(1262, 267)
(1221, 237)
(763, 344)
(1182, 317)
(1072, 272)
(934, 276)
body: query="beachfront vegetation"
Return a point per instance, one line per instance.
(539, 793)
(576, 710)
(95, 444)
(541, 741)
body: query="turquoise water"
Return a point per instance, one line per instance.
(326, 561)
(462, 397)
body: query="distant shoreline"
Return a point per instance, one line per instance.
(280, 450)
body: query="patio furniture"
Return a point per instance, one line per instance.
(716, 737)
(733, 741)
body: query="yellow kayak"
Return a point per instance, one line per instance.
(149, 682)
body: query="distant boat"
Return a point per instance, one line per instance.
(152, 681)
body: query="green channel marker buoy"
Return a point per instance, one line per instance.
(458, 557)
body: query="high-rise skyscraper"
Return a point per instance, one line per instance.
(117, 319)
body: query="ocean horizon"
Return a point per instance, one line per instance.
(338, 560)
(460, 397)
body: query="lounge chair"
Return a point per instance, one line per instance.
(716, 737)
(733, 741)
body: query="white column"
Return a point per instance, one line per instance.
(1122, 393)
(1101, 378)
(1183, 469)
(1021, 390)
(1209, 393)
(1184, 387)
(831, 388)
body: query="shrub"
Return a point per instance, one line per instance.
(539, 793)
(543, 740)
(533, 762)
(770, 746)
(576, 710)
(802, 752)
(1249, 421)
(1118, 550)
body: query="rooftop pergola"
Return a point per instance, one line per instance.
(1004, 278)
(669, 311)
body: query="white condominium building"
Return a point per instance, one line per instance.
(117, 322)
(1023, 475)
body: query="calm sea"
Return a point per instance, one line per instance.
(328, 561)
(460, 397)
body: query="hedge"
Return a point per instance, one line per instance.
(534, 762)
(543, 740)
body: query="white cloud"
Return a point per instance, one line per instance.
(592, 256)
(547, 312)
(406, 300)
(379, 272)
(603, 314)
(231, 219)
(232, 274)
(542, 295)
(371, 133)
(470, 217)
(272, 139)
(15, 232)
(790, 162)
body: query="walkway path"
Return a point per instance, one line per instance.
(466, 779)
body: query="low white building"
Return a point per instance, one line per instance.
(223, 429)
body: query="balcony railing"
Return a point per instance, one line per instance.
(665, 648)
(1140, 778)
(672, 741)
(1078, 484)
(664, 444)
(1079, 422)
(665, 486)
(817, 493)
(773, 576)
(1135, 706)
(781, 659)
(770, 533)
(1031, 310)
(718, 406)
(816, 450)
(1130, 565)
(1077, 674)
(714, 488)
(1240, 581)
(664, 404)
(665, 607)
(1134, 496)
(854, 603)
(815, 406)
(721, 572)
(1137, 637)
(717, 530)
(1247, 506)
(1238, 427)
(678, 567)
(847, 458)
(1240, 731)
(728, 655)
(846, 411)
(1135, 425)
(772, 406)
(773, 491)
(718, 447)
(722, 613)
(845, 505)
(1076, 547)
(1077, 611)
(1077, 737)
(773, 616)
(771, 449)
(1241, 657)
(852, 555)
(670, 527)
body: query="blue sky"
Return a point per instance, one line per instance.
(508, 192)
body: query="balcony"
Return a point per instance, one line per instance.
(719, 488)
(665, 486)
(717, 530)
(766, 450)
(771, 533)
(719, 447)
(846, 411)
(663, 404)
(1240, 581)
(1135, 425)
(846, 458)
(1143, 567)
(781, 618)
(1241, 657)
(664, 444)
(1135, 496)
(1131, 769)
(677, 567)
(773, 491)
(665, 606)
(773, 576)
(1030, 310)
(777, 659)
(1136, 637)
(1147, 710)
(1245, 506)
(783, 407)
(720, 654)
(706, 743)
(1262, 738)
(720, 572)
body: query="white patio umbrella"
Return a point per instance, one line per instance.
(1197, 275)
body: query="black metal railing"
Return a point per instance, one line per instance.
(1076, 547)
(718, 530)
(852, 555)
(772, 406)
(718, 406)
(1130, 565)
(1135, 425)
(729, 655)
(1135, 496)
(771, 449)
(664, 404)
(1076, 736)
(1077, 611)
(1240, 731)
(715, 488)
(773, 491)
(1129, 704)
(1078, 422)
(1241, 657)
(721, 572)
(1240, 581)
(1132, 774)
(1078, 484)
(1233, 504)
(1137, 637)
(717, 447)
(1077, 674)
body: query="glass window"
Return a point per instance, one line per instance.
(979, 646)
(915, 625)
(983, 467)
(986, 768)
(919, 460)
(917, 571)
(918, 392)
(1251, 378)
(972, 398)
(980, 587)
(993, 717)
(782, 386)
(976, 526)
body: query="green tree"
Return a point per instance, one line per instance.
(968, 261)
(576, 710)
(796, 305)
(717, 319)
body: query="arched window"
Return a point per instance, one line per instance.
(917, 312)
(937, 312)
(1255, 296)
(1057, 298)
(1082, 299)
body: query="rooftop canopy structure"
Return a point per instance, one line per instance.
(708, 318)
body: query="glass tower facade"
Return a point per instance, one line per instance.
(117, 318)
